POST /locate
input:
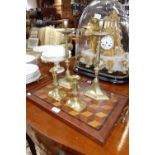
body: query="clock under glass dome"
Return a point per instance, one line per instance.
(113, 44)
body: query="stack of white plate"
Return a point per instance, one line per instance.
(30, 59)
(32, 73)
(55, 54)
(42, 48)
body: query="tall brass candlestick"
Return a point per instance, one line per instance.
(94, 91)
(56, 93)
(66, 82)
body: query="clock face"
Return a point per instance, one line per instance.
(107, 42)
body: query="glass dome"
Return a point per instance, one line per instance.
(114, 46)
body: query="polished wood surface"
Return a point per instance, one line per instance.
(62, 134)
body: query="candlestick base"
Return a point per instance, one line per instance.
(65, 82)
(57, 94)
(95, 92)
(76, 104)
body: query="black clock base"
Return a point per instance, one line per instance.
(89, 73)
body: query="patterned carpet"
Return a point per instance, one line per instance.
(38, 150)
(28, 152)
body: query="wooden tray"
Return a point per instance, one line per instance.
(96, 121)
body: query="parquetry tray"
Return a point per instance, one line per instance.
(96, 121)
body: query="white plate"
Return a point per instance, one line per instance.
(30, 59)
(42, 48)
(32, 73)
(44, 60)
(54, 51)
(55, 54)
(31, 69)
(52, 59)
(33, 79)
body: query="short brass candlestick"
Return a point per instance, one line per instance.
(94, 91)
(66, 82)
(75, 102)
(56, 93)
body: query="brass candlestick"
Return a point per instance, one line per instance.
(66, 82)
(75, 102)
(94, 91)
(56, 93)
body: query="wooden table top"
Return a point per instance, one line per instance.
(59, 132)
